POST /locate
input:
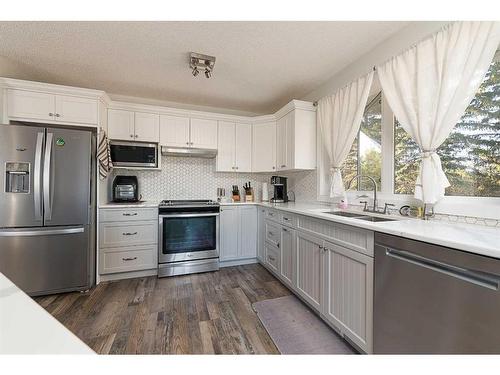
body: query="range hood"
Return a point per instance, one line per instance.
(189, 152)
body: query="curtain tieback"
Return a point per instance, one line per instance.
(427, 153)
(334, 169)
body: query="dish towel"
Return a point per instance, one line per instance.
(104, 156)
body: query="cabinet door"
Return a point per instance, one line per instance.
(261, 233)
(229, 233)
(147, 127)
(31, 105)
(309, 268)
(264, 147)
(203, 133)
(281, 127)
(248, 229)
(243, 148)
(75, 109)
(348, 300)
(174, 131)
(121, 124)
(225, 147)
(287, 247)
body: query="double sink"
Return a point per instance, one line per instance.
(358, 216)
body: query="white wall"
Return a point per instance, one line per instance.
(380, 53)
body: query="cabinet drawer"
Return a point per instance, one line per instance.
(128, 259)
(272, 215)
(128, 234)
(354, 238)
(273, 258)
(128, 214)
(288, 219)
(273, 233)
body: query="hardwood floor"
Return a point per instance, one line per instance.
(208, 313)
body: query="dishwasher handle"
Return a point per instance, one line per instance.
(483, 279)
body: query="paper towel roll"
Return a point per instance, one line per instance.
(265, 192)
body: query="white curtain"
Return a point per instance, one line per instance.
(429, 87)
(339, 117)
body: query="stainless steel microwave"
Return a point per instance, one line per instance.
(134, 154)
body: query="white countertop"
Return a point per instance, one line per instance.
(468, 237)
(142, 204)
(26, 328)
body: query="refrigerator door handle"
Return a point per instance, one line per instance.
(37, 177)
(47, 177)
(35, 233)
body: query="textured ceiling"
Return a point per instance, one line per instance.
(260, 65)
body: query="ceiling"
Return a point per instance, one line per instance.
(260, 65)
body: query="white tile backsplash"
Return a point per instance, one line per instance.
(196, 178)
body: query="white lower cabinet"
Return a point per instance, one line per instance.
(128, 239)
(348, 293)
(310, 269)
(287, 259)
(238, 228)
(328, 265)
(261, 233)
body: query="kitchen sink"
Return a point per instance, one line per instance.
(374, 218)
(360, 216)
(343, 213)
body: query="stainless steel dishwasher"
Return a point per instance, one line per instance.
(435, 300)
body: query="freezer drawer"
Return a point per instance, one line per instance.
(48, 260)
(434, 300)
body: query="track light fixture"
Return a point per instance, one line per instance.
(198, 61)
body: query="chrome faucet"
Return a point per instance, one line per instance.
(375, 206)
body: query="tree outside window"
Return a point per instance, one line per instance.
(471, 154)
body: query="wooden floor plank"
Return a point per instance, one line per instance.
(207, 313)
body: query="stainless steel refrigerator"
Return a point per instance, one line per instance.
(47, 210)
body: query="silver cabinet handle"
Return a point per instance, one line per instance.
(136, 136)
(272, 259)
(278, 245)
(270, 233)
(284, 229)
(51, 114)
(57, 115)
(127, 259)
(286, 218)
(129, 234)
(283, 166)
(320, 247)
(132, 214)
(131, 136)
(274, 167)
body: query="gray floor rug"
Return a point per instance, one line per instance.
(295, 329)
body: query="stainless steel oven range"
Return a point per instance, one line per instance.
(188, 239)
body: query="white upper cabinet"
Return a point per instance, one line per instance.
(203, 133)
(226, 147)
(133, 126)
(147, 127)
(296, 140)
(243, 148)
(234, 147)
(174, 131)
(33, 105)
(75, 109)
(121, 125)
(264, 147)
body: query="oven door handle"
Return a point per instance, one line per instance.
(189, 215)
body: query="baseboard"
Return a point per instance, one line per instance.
(128, 275)
(237, 262)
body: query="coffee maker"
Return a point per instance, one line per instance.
(280, 194)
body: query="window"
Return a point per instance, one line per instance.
(365, 156)
(471, 154)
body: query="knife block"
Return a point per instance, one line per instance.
(249, 195)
